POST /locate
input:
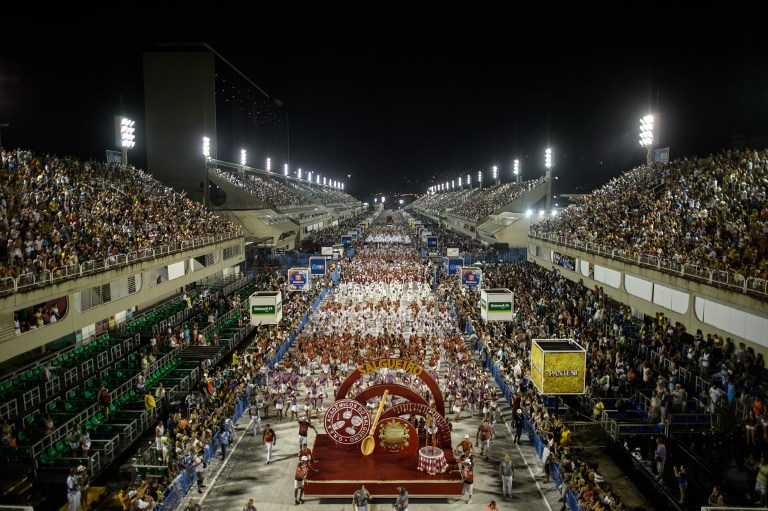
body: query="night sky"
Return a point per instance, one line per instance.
(401, 101)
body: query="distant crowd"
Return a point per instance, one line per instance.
(710, 212)
(59, 212)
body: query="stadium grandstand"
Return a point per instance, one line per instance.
(133, 368)
(123, 367)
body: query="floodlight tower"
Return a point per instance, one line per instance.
(549, 163)
(125, 135)
(646, 135)
(516, 170)
(496, 174)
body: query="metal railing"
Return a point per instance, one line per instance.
(27, 281)
(735, 281)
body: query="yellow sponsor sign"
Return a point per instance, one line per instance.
(537, 363)
(564, 372)
(558, 366)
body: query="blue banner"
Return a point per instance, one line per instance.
(298, 279)
(317, 265)
(346, 241)
(471, 277)
(431, 241)
(453, 265)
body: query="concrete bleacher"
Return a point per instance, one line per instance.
(77, 372)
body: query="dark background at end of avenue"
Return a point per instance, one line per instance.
(403, 100)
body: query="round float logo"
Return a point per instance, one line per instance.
(347, 422)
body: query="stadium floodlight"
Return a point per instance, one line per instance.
(646, 131)
(383, 199)
(446, 185)
(285, 169)
(298, 173)
(269, 164)
(548, 158)
(495, 172)
(325, 181)
(206, 147)
(242, 157)
(459, 181)
(309, 176)
(528, 213)
(480, 178)
(125, 135)
(516, 167)
(317, 179)
(541, 212)
(375, 200)
(401, 201)
(342, 186)
(469, 181)
(647, 134)
(453, 184)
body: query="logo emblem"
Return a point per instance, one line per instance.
(393, 435)
(347, 422)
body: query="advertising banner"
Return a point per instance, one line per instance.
(558, 366)
(453, 264)
(266, 307)
(431, 241)
(346, 241)
(326, 251)
(497, 304)
(317, 266)
(471, 277)
(452, 252)
(298, 279)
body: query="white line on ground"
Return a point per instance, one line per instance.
(546, 502)
(224, 464)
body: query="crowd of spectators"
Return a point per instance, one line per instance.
(324, 195)
(267, 190)
(709, 212)
(487, 200)
(58, 212)
(447, 238)
(330, 236)
(439, 202)
(549, 306)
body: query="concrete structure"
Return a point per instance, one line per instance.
(738, 313)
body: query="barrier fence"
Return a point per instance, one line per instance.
(187, 479)
(733, 280)
(26, 281)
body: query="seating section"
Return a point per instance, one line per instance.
(41, 426)
(702, 212)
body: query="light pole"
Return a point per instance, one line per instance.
(516, 171)
(646, 135)
(496, 174)
(480, 179)
(469, 180)
(549, 163)
(206, 156)
(125, 135)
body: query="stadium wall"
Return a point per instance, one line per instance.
(697, 305)
(150, 287)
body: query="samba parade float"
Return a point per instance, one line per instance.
(385, 451)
